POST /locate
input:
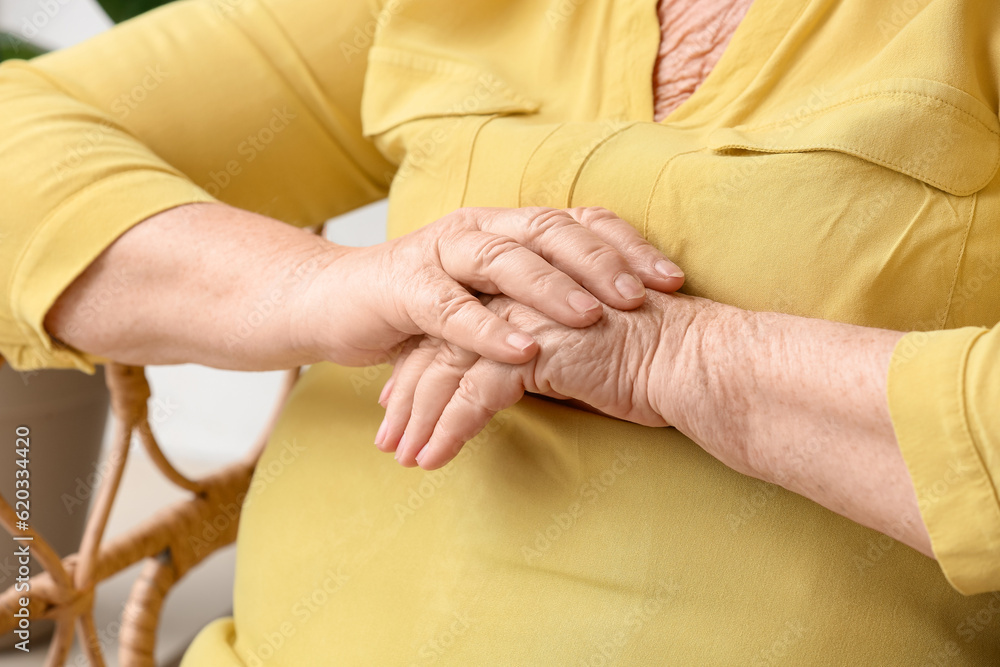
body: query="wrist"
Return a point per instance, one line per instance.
(318, 283)
(704, 374)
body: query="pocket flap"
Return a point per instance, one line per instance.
(401, 86)
(925, 129)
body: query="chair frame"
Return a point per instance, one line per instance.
(64, 592)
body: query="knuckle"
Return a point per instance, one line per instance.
(428, 345)
(492, 248)
(454, 357)
(463, 315)
(453, 309)
(411, 371)
(542, 282)
(446, 366)
(481, 327)
(530, 212)
(462, 218)
(607, 257)
(607, 224)
(596, 216)
(418, 414)
(597, 212)
(399, 407)
(541, 221)
(469, 395)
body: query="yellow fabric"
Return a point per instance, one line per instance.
(195, 101)
(960, 417)
(839, 162)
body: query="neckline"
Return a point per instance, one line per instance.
(756, 38)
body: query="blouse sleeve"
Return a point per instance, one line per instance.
(255, 103)
(944, 398)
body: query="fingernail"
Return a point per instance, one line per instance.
(386, 390)
(399, 447)
(629, 287)
(380, 436)
(520, 341)
(582, 302)
(420, 455)
(668, 269)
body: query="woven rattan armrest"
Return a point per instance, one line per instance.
(166, 541)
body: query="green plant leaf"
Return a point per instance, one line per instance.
(122, 10)
(12, 46)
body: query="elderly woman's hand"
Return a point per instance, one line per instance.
(440, 396)
(215, 285)
(368, 300)
(790, 400)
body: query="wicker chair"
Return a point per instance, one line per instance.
(64, 593)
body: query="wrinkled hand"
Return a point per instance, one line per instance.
(365, 301)
(440, 396)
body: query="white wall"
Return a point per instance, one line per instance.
(200, 414)
(53, 23)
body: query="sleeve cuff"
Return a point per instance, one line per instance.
(955, 493)
(67, 242)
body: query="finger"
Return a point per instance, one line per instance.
(399, 362)
(576, 250)
(654, 269)
(445, 310)
(499, 264)
(386, 392)
(397, 412)
(572, 248)
(439, 382)
(405, 349)
(486, 389)
(384, 397)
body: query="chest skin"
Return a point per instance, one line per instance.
(693, 37)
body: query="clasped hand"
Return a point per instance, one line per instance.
(443, 392)
(565, 264)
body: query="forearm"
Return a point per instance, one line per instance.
(801, 403)
(203, 283)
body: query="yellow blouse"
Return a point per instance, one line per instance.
(839, 162)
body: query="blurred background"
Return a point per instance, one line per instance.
(203, 418)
